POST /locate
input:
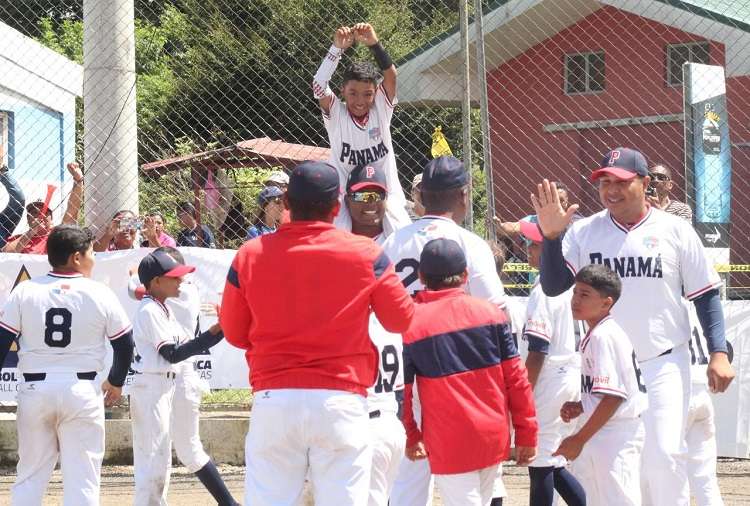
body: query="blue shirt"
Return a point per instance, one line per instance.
(190, 238)
(257, 231)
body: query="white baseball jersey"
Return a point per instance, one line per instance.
(382, 395)
(155, 326)
(404, 248)
(354, 144)
(551, 319)
(64, 321)
(609, 367)
(655, 258)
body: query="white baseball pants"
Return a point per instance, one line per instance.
(150, 409)
(388, 444)
(59, 417)
(609, 465)
(701, 443)
(293, 430)
(185, 419)
(467, 489)
(667, 379)
(555, 386)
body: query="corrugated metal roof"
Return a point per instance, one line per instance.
(262, 152)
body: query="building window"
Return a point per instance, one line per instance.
(3, 138)
(677, 54)
(584, 73)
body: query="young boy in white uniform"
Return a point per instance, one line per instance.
(162, 343)
(606, 449)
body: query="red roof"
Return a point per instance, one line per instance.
(254, 153)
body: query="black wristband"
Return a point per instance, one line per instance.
(381, 56)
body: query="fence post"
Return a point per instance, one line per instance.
(110, 125)
(463, 7)
(484, 117)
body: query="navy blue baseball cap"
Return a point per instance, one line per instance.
(161, 263)
(442, 257)
(623, 163)
(366, 176)
(268, 193)
(444, 173)
(314, 182)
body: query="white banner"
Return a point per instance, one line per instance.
(226, 367)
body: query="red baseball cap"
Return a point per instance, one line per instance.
(622, 163)
(530, 229)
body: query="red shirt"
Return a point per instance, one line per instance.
(299, 301)
(469, 375)
(37, 245)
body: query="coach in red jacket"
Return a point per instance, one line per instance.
(468, 375)
(298, 301)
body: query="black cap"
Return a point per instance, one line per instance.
(442, 257)
(314, 182)
(365, 176)
(444, 173)
(161, 263)
(623, 163)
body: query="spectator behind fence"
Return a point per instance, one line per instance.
(153, 232)
(278, 178)
(122, 233)
(661, 183)
(39, 219)
(415, 207)
(193, 235)
(11, 215)
(270, 210)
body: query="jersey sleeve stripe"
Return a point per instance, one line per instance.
(121, 333)
(540, 335)
(570, 266)
(609, 391)
(9, 328)
(385, 95)
(162, 343)
(703, 290)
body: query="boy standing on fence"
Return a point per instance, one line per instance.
(163, 343)
(359, 129)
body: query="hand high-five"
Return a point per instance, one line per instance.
(553, 219)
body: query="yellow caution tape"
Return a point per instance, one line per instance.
(522, 267)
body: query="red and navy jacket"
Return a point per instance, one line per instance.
(469, 375)
(299, 301)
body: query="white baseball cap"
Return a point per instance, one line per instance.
(278, 177)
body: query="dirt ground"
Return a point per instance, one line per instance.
(185, 490)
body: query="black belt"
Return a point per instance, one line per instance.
(375, 414)
(41, 376)
(666, 352)
(171, 375)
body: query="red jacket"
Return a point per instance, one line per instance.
(299, 301)
(468, 374)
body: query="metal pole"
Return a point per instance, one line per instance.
(485, 118)
(463, 7)
(110, 137)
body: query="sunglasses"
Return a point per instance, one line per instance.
(367, 197)
(659, 177)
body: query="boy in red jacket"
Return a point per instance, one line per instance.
(468, 372)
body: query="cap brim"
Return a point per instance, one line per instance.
(179, 271)
(622, 174)
(366, 184)
(531, 231)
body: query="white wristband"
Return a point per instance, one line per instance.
(325, 72)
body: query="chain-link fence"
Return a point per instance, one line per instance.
(220, 93)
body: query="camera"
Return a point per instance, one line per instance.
(651, 191)
(130, 224)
